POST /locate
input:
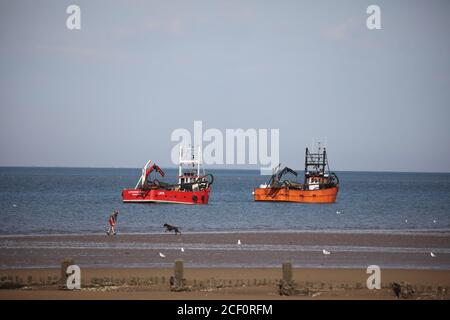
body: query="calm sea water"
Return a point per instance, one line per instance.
(78, 200)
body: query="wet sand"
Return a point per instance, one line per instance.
(259, 249)
(216, 267)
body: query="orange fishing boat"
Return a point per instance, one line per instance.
(319, 185)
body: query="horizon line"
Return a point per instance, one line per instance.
(236, 169)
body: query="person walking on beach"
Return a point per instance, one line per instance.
(112, 223)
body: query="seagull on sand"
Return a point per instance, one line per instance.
(239, 242)
(434, 221)
(162, 255)
(432, 255)
(406, 220)
(325, 252)
(182, 249)
(338, 212)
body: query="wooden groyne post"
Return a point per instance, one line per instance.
(286, 286)
(287, 271)
(179, 270)
(177, 281)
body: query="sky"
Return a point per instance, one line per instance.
(111, 93)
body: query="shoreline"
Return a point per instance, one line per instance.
(436, 232)
(262, 249)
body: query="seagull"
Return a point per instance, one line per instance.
(182, 249)
(406, 220)
(434, 221)
(14, 205)
(325, 252)
(432, 254)
(239, 242)
(338, 212)
(161, 255)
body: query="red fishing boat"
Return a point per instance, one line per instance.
(193, 185)
(319, 185)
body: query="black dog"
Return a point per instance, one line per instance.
(172, 228)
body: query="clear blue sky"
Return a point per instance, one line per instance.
(110, 94)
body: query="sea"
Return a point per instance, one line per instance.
(37, 200)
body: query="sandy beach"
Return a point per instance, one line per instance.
(216, 267)
(220, 283)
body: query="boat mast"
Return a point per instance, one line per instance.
(199, 160)
(306, 164)
(180, 161)
(317, 160)
(189, 156)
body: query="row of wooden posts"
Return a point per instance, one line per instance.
(177, 280)
(286, 286)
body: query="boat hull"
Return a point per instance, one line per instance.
(166, 196)
(295, 195)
